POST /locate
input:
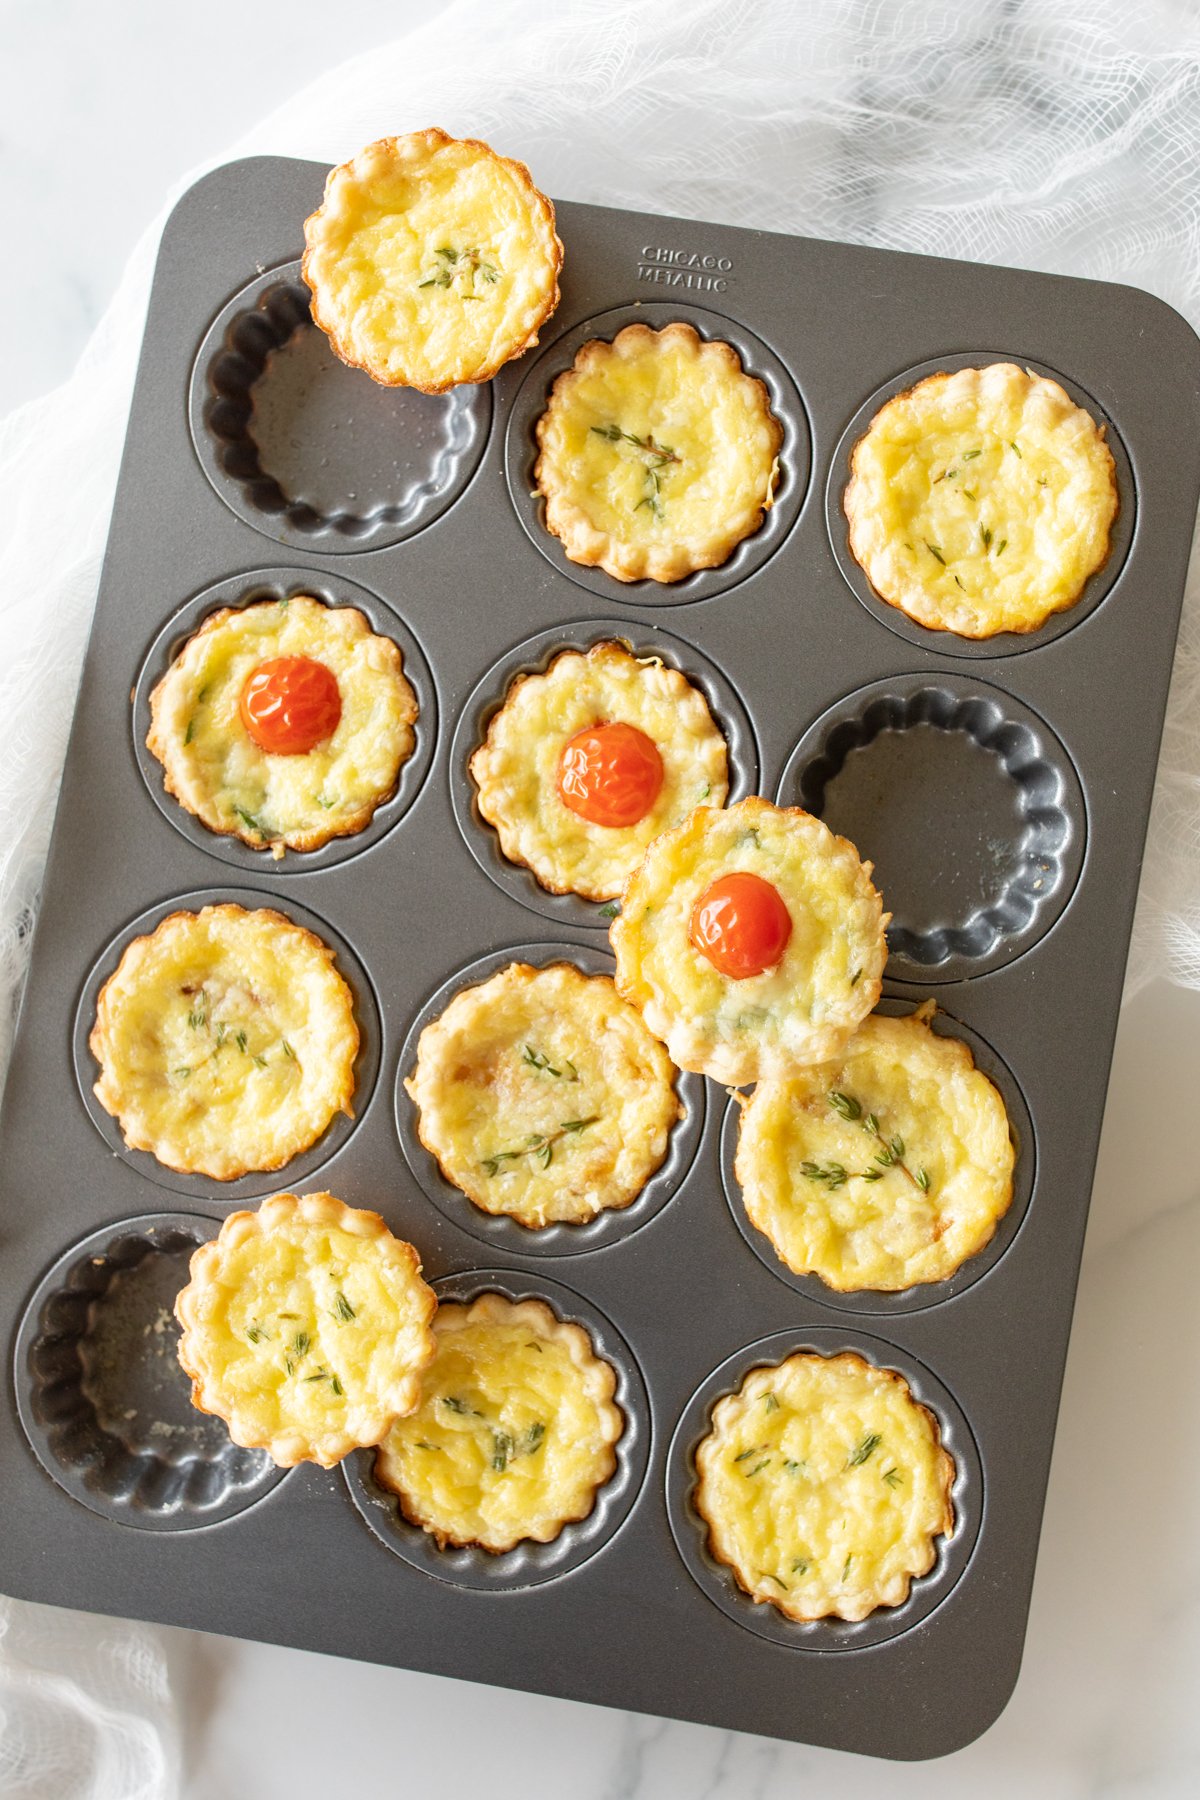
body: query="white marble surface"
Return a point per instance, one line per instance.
(104, 108)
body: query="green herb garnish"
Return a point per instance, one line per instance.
(467, 265)
(539, 1145)
(656, 458)
(342, 1308)
(890, 1155)
(831, 1174)
(537, 1060)
(893, 1477)
(863, 1450)
(458, 1405)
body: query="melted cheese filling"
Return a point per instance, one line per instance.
(515, 1431)
(886, 1168)
(982, 501)
(543, 1096)
(226, 1041)
(222, 775)
(516, 769)
(824, 1486)
(661, 438)
(429, 265)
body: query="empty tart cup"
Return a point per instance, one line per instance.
(226, 1041)
(752, 941)
(981, 501)
(516, 1431)
(585, 764)
(542, 1096)
(306, 1326)
(884, 1168)
(657, 454)
(824, 1486)
(284, 723)
(432, 261)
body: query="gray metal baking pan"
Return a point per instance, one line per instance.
(1002, 789)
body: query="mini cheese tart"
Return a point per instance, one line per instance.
(226, 1041)
(432, 261)
(306, 1328)
(542, 1095)
(981, 501)
(752, 941)
(584, 766)
(657, 454)
(284, 723)
(515, 1432)
(824, 1486)
(885, 1168)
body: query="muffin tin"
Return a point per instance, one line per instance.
(1005, 800)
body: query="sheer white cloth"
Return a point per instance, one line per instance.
(1053, 134)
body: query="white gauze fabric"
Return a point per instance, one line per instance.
(1054, 134)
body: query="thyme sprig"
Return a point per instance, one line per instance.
(506, 1448)
(891, 1153)
(864, 1450)
(457, 1404)
(467, 266)
(538, 1060)
(655, 457)
(539, 1144)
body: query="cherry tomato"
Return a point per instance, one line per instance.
(741, 925)
(610, 774)
(290, 704)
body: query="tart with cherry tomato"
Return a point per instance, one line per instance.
(752, 940)
(586, 763)
(284, 723)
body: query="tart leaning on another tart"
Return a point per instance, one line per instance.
(657, 454)
(887, 1167)
(514, 1435)
(982, 501)
(226, 1041)
(584, 765)
(752, 940)
(432, 261)
(306, 1328)
(284, 723)
(542, 1095)
(824, 1486)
